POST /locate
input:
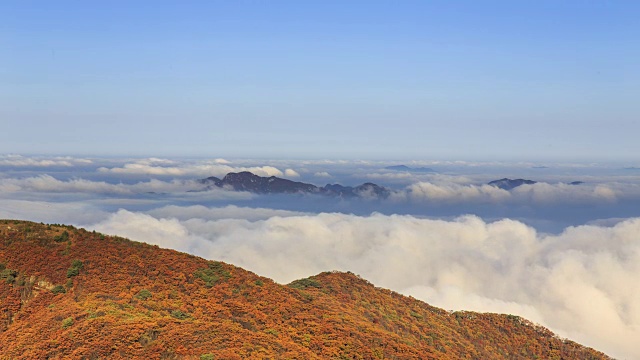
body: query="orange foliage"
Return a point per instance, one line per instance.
(133, 300)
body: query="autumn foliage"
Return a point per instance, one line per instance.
(67, 293)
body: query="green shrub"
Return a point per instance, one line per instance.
(67, 322)
(208, 277)
(207, 357)
(58, 289)
(62, 237)
(9, 275)
(143, 294)
(305, 283)
(179, 314)
(74, 270)
(212, 275)
(67, 249)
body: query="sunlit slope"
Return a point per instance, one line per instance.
(70, 293)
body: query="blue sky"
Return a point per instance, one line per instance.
(289, 79)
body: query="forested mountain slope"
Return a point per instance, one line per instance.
(69, 293)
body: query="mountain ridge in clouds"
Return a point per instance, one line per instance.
(247, 181)
(509, 184)
(88, 295)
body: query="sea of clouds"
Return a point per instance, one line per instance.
(564, 256)
(582, 283)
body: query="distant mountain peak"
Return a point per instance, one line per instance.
(509, 184)
(248, 181)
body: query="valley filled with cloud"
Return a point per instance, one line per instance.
(566, 256)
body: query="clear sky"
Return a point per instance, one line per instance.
(307, 79)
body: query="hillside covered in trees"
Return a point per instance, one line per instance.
(70, 293)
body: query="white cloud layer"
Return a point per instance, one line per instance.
(424, 191)
(290, 173)
(49, 184)
(582, 283)
(218, 167)
(322, 174)
(23, 161)
(536, 194)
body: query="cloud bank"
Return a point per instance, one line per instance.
(581, 283)
(23, 161)
(536, 194)
(47, 183)
(290, 173)
(218, 167)
(322, 174)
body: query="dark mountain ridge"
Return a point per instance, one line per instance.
(509, 184)
(247, 181)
